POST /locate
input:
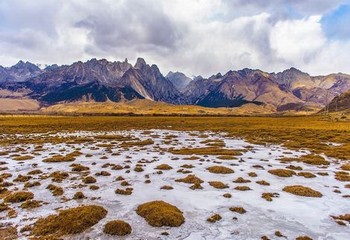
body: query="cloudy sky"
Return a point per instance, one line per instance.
(193, 36)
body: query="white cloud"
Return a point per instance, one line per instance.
(193, 36)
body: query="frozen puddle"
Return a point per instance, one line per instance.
(292, 215)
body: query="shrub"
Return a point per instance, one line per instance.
(220, 170)
(218, 184)
(160, 213)
(239, 210)
(282, 172)
(214, 218)
(190, 179)
(20, 196)
(69, 221)
(302, 191)
(117, 227)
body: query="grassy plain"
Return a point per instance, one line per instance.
(316, 133)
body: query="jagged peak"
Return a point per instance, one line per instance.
(140, 63)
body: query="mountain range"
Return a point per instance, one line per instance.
(119, 81)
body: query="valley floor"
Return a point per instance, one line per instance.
(239, 168)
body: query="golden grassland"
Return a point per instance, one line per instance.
(314, 133)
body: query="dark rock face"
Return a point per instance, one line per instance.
(102, 80)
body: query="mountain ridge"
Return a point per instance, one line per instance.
(101, 80)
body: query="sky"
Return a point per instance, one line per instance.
(197, 37)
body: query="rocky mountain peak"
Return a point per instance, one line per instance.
(140, 63)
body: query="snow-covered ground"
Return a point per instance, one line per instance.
(292, 215)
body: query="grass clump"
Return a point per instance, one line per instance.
(282, 172)
(342, 176)
(306, 174)
(227, 195)
(23, 158)
(218, 184)
(30, 204)
(79, 168)
(117, 228)
(167, 187)
(345, 167)
(164, 167)
(341, 219)
(243, 188)
(55, 190)
(311, 159)
(263, 183)
(302, 191)
(214, 218)
(78, 196)
(190, 179)
(241, 180)
(20, 196)
(59, 176)
(89, 180)
(127, 191)
(268, 196)
(220, 170)
(160, 213)
(69, 221)
(206, 151)
(239, 210)
(63, 158)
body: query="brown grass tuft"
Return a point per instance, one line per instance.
(214, 218)
(302, 191)
(160, 213)
(117, 228)
(164, 167)
(69, 221)
(190, 179)
(282, 172)
(243, 188)
(20, 196)
(218, 184)
(220, 170)
(239, 210)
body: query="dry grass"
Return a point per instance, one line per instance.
(282, 172)
(220, 170)
(241, 180)
(306, 174)
(342, 176)
(30, 204)
(342, 219)
(160, 213)
(263, 183)
(167, 187)
(311, 159)
(117, 228)
(207, 151)
(190, 179)
(242, 188)
(239, 210)
(214, 218)
(89, 180)
(268, 196)
(69, 221)
(127, 191)
(218, 185)
(23, 158)
(55, 190)
(164, 167)
(20, 196)
(8, 233)
(302, 191)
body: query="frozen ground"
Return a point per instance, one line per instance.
(292, 215)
